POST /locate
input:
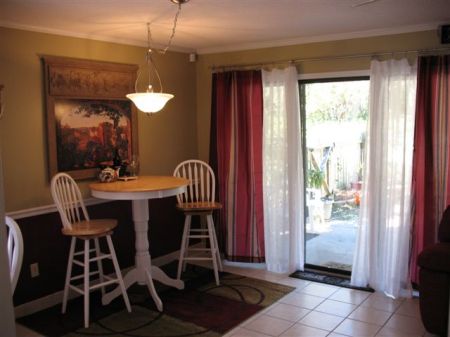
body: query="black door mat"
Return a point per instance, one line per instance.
(327, 279)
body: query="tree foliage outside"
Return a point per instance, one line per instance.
(337, 114)
(337, 101)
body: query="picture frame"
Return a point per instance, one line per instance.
(89, 119)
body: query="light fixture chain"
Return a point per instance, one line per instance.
(174, 27)
(152, 101)
(175, 21)
(151, 63)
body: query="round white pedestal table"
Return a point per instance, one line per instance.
(139, 191)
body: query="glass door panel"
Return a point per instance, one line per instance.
(335, 116)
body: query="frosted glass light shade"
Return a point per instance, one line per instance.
(150, 102)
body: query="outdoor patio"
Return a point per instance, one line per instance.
(331, 243)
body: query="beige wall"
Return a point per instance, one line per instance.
(401, 42)
(179, 132)
(164, 138)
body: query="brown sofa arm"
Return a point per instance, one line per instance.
(436, 258)
(434, 294)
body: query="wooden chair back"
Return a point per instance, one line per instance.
(14, 248)
(202, 183)
(68, 200)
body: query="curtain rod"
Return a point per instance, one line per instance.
(326, 58)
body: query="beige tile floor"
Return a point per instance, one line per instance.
(314, 310)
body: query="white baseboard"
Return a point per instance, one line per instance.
(56, 298)
(244, 264)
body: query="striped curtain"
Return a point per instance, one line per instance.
(431, 185)
(236, 153)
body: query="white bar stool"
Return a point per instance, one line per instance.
(77, 225)
(198, 199)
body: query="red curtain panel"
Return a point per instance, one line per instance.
(431, 165)
(236, 153)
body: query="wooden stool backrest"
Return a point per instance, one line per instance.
(68, 200)
(202, 183)
(14, 248)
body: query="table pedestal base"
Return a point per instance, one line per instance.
(155, 273)
(144, 272)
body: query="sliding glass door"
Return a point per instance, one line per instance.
(334, 113)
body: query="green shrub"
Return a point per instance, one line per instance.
(315, 178)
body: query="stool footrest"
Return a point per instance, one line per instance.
(197, 258)
(80, 290)
(81, 252)
(77, 289)
(82, 275)
(103, 284)
(101, 257)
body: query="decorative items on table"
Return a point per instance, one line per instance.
(129, 170)
(119, 164)
(121, 169)
(133, 166)
(108, 175)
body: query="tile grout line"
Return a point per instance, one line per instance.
(380, 327)
(298, 290)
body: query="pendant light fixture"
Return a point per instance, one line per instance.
(151, 101)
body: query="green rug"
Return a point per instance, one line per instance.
(201, 309)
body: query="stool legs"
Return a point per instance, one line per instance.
(68, 274)
(118, 273)
(184, 245)
(99, 264)
(85, 262)
(213, 245)
(219, 260)
(86, 283)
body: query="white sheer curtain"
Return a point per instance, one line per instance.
(382, 248)
(283, 171)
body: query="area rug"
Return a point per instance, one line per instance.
(327, 279)
(201, 309)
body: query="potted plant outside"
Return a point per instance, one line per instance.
(328, 201)
(315, 178)
(315, 205)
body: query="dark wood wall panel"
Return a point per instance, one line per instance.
(44, 243)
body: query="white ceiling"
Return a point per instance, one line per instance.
(219, 25)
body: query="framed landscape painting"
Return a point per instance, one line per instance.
(89, 119)
(89, 132)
